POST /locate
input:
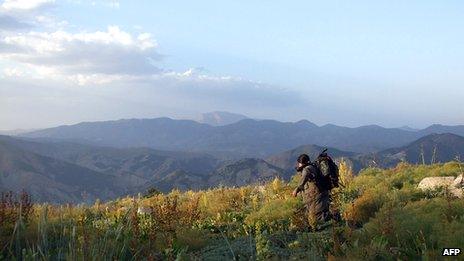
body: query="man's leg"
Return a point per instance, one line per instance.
(319, 212)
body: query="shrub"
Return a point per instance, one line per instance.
(274, 215)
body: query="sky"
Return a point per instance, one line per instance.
(351, 63)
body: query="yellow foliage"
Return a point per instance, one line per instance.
(276, 185)
(345, 173)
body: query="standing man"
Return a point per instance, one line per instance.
(316, 197)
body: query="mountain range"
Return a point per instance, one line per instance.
(245, 138)
(433, 148)
(430, 149)
(83, 162)
(69, 172)
(59, 171)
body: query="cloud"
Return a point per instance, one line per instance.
(12, 72)
(43, 102)
(22, 15)
(101, 3)
(25, 5)
(111, 52)
(116, 56)
(12, 23)
(118, 74)
(222, 91)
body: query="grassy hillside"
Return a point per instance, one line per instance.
(384, 216)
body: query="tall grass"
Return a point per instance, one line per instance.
(382, 216)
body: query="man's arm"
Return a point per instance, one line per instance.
(308, 175)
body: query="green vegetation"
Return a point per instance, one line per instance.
(384, 216)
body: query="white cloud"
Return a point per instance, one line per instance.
(25, 5)
(44, 61)
(49, 22)
(22, 15)
(103, 57)
(116, 96)
(13, 72)
(101, 3)
(8, 22)
(85, 54)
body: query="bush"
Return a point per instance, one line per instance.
(274, 215)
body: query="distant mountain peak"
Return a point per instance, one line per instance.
(440, 137)
(221, 118)
(407, 128)
(306, 123)
(331, 126)
(372, 127)
(439, 128)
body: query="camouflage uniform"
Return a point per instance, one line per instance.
(316, 199)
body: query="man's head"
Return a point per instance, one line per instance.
(303, 160)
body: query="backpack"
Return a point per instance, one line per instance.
(328, 171)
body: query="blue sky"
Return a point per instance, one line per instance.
(351, 63)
